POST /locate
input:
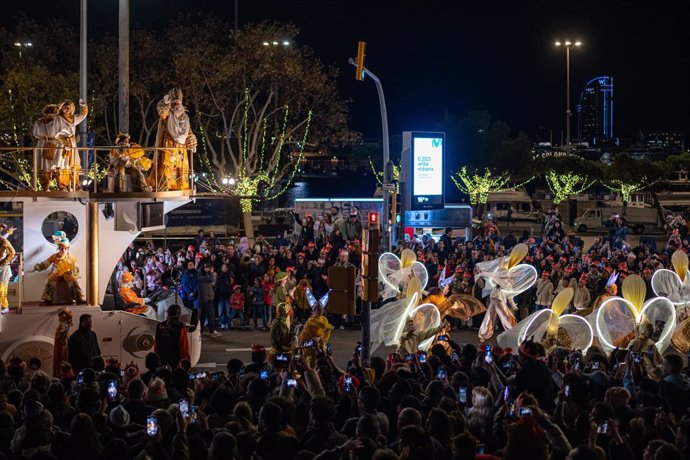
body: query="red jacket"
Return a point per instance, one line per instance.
(237, 301)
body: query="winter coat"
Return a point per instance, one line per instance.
(205, 287)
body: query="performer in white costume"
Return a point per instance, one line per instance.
(66, 129)
(45, 132)
(498, 306)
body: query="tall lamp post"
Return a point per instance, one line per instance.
(567, 44)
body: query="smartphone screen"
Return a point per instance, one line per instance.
(112, 389)
(603, 428)
(184, 408)
(216, 375)
(80, 378)
(506, 393)
(348, 383)
(441, 373)
(525, 411)
(443, 338)
(422, 357)
(595, 366)
(308, 343)
(152, 426)
(264, 374)
(566, 391)
(194, 415)
(292, 383)
(462, 395)
(488, 357)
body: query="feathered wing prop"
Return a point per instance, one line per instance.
(507, 272)
(395, 272)
(674, 285)
(618, 318)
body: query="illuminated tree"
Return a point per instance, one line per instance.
(379, 175)
(565, 184)
(477, 186)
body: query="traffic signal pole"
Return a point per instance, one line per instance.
(387, 172)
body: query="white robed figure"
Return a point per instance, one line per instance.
(501, 305)
(514, 277)
(395, 272)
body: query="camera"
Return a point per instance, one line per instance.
(443, 338)
(216, 375)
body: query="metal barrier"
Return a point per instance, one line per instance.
(102, 169)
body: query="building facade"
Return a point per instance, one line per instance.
(595, 112)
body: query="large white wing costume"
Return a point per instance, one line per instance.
(617, 319)
(551, 327)
(508, 272)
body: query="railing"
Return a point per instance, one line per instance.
(102, 169)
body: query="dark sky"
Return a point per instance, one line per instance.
(435, 56)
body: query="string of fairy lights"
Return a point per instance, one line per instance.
(252, 174)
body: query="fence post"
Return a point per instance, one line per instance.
(35, 169)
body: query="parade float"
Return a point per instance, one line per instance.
(69, 240)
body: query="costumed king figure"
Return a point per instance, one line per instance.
(60, 343)
(66, 127)
(45, 132)
(63, 267)
(6, 255)
(127, 159)
(137, 304)
(174, 137)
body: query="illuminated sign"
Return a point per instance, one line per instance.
(427, 152)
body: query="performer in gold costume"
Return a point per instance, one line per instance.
(127, 159)
(45, 131)
(128, 296)
(60, 343)
(6, 255)
(66, 128)
(317, 329)
(175, 136)
(63, 267)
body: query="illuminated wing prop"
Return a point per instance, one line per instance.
(395, 273)
(618, 318)
(513, 277)
(551, 327)
(425, 317)
(387, 322)
(674, 285)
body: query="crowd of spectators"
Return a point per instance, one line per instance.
(458, 401)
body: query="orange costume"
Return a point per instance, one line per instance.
(127, 159)
(128, 295)
(60, 343)
(63, 268)
(174, 137)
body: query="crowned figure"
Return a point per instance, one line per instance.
(174, 138)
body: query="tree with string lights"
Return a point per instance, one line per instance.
(562, 185)
(259, 100)
(477, 185)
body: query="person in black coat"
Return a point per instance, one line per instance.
(535, 377)
(82, 346)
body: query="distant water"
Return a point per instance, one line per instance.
(349, 186)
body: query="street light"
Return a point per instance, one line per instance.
(567, 45)
(20, 45)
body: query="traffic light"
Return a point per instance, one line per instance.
(360, 61)
(373, 220)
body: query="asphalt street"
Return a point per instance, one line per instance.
(215, 352)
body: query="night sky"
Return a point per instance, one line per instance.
(457, 56)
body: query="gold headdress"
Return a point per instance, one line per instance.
(175, 95)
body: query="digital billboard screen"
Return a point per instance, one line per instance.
(427, 172)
